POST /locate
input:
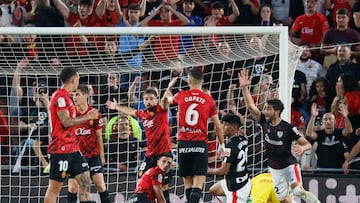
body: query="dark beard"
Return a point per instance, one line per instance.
(304, 59)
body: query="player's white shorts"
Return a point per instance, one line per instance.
(284, 178)
(239, 196)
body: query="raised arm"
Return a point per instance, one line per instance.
(348, 126)
(310, 128)
(131, 92)
(146, 20)
(123, 109)
(166, 99)
(184, 20)
(68, 121)
(235, 11)
(142, 8)
(16, 88)
(63, 9)
(245, 81)
(218, 131)
(100, 8)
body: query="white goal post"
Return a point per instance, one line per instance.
(244, 44)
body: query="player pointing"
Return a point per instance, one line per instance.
(195, 107)
(279, 135)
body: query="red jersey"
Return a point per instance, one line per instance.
(86, 134)
(74, 45)
(166, 47)
(63, 140)
(311, 28)
(153, 176)
(156, 124)
(195, 107)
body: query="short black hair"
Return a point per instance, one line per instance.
(67, 73)
(85, 2)
(343, 11)
(134, 6)
(232, 119)
(83, 89)
(150, 91)
(217, 5)
(196, 73)
(166, 154)
(276, 104)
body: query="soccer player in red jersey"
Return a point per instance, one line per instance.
(148, 188)
(65, 155)
(155, 121)
(89, 136)
(195, 107)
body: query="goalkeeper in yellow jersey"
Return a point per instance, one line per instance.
(262, 189)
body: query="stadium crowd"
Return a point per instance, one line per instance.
(325, 94)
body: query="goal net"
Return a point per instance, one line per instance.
(120, 64)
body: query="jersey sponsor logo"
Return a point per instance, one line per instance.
(227, 152)
(84, 165)
(160, 178)
(192, 149)
(148, 123)
(190, 130)
(280, 134)
(307, 30)
(61, 102)
(242, 179)
(82, 131)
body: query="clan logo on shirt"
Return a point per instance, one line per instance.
(91, 122)
(280, 134)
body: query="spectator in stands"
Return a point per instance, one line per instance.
(166, 47)
(299, 95)
(355, 20)
(331, 150)
(285, 11)
(109, 92)
(341, 34)
(111, 11)
(344, 64)
(217, 17)
(321, 94)
(7, 9)
(123, 149)
(335, 5)
(186, 42)
(311, 68)
(248, 11)
(33, 113)
(335, 109)
(130, 42)
(86, 18)
(320, 7)
(310, 27)
(349, 88)
(265, 17)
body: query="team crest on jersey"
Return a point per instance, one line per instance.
(280, 134)
(91, 122)
(61, 102)
(160, 178)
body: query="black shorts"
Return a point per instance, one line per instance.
(151, 162)
(94, 165)
(193, 158)
(139, 198)
(62, 165)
